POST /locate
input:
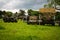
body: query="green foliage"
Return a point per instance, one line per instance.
(49, 5)
(1, 13)
(53, 2)
(4, 12)
(29, 11)
(58, 16)
(36, 13)
(9, 13)
(32, 12)
(45, 6)
(22, 12)
(16, 14)
(57, 1)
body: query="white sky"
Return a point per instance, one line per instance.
(15, 5)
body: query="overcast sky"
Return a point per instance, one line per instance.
(21, 4)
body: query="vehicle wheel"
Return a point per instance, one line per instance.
(28, 22)
(15, 21)
(42, 23)
(53, 24)
(37, 23)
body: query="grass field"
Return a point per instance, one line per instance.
(22, 31)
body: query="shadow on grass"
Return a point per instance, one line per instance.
(1, 27)
(52, 26)
(29, 38)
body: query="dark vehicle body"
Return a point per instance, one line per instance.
(9, 19)
(47, 16)
(32, 20)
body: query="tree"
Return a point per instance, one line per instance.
(54, 2)
(4, 12)
(22, 12)
(1, 14)
(32, 12)
(45, 6)
(9, 14)
(29, 11)
(57, 2)
(49, 5)
(16, 14)
(36, 13)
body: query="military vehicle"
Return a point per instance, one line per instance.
(47, 15)
(57, 18)
(9, 19)
(32, 20)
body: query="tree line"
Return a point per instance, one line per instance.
(22, 13)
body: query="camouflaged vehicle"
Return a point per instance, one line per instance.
(32, 20)
(47, 16)
(9, 19)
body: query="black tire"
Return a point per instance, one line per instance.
(53, 24)
(4, 19)
(38, 23)
(16, 21)
(28, 22)
(42, 23)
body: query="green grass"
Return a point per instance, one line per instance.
(22, 31)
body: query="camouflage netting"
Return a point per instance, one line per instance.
(47, 12)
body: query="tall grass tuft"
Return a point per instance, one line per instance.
(1, 27)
